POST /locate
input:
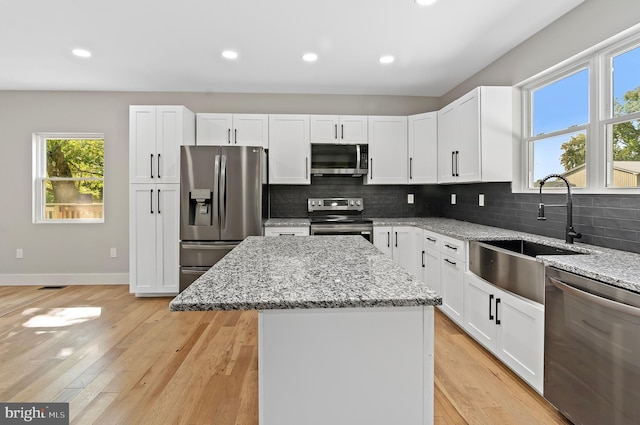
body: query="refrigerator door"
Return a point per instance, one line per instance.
(240, 192)
(199, 202)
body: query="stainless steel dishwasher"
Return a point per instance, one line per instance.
(592, 350)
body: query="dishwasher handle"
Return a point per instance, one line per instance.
(603, 302)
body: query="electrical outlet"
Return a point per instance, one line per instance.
(114, 253)
(19, 253)
(481, 200)
(410, 198)
(453, 199)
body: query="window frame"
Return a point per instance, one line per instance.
(598, 60)
(39, 172)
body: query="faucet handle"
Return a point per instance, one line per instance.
(541, 212)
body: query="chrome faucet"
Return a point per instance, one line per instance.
(570, 232)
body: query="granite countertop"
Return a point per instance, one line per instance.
(304, 272)
(618, 268)
(287, 222)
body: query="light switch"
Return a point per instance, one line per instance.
(410, 198)
(453, 199)
(481, 200)
(19, 253)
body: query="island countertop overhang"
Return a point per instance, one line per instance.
(266, 273)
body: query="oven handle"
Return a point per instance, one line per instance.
(603, 302)
(340, 228)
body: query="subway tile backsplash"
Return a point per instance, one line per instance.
(612, 221)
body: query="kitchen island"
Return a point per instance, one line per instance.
(345, 334)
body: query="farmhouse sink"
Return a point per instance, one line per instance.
(512, 265)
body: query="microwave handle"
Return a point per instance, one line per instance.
(357, 157)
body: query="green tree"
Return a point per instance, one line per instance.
(74, 158)
(626, 135)
(573, 152)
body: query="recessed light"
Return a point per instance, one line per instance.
(386, 59)
(81, 53)
(309, 57)
(425, 2)
(230, 54)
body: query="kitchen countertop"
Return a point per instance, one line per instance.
(618, 268)
(304, 272)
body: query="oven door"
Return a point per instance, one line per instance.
(363, 230)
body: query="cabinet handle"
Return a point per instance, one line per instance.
(457, 163)
(371, 168)
(497, 304)
(158, 165)
(423, 259)
(158, 201)
(151, 165)
(306, 167)
(235, 136)
(151, 199)
(335, 127)
(388, 239)
(410, 168)
(455, 248)
(490, 302)
(286, 234)
(431, 239)
(342, 131)
(228, 135)
(453, 167)
(396, 239)
(453, 263)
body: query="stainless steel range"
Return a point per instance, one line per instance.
(339, 216)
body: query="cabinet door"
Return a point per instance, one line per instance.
(353, 129)
(382, 240)
(468, 127)
(169, 137)
(404, 248)
(324, 128)
(480, 310)
(214, 129)
(423, 148)
(451, 274)
(289, 149)
(387, 150)
(250, 130)
(168, 238)
(520, 337)
(143, 210)
(447, 131)
(142, 144)
(431, 269)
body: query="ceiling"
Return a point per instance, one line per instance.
(176, 45)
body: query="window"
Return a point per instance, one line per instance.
(582, 120)
(68, 178)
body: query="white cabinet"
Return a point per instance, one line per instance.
(232, 129)
(402, 244)
(155, 136)
(475, 137)
(452, 287)
(387, 150)
(289, 149)
(287, 231)
(510, 326)
(423, 148)
(430, 260)
(350, 129)
(154, 213)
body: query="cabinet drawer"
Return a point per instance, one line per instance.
(431, 240)
(286, 231)
(453, 248)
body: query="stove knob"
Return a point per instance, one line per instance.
(351, 202)
(358, 203)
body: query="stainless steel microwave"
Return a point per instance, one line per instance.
(339, 159)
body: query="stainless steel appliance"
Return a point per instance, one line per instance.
(592, 350)
(220, 204)
(339, 159)
(338, 216)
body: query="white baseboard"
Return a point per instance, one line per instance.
(64, 279)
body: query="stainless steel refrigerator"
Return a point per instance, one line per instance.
(220, 204)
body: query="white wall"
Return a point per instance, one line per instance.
(585, 26)
(68, 253)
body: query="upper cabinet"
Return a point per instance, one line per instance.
(232, 129)
(289, 149)
(155, 136)
(387, 150)
(349, 129)
(423, 148)
(475, 137)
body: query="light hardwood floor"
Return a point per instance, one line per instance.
(118, 359)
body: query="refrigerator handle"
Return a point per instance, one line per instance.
(223, 192)
(216, 191)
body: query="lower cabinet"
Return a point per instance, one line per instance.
(452, 287)
(402, 244)
(511, 327)
(287, 231)
(154, 238)
(430, 261)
